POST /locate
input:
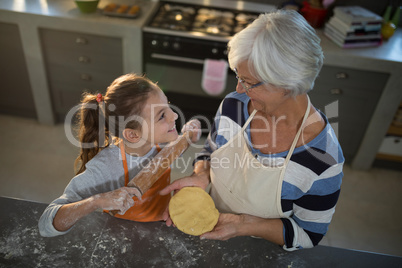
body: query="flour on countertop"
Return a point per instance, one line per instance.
(27, 246)
(126, 244)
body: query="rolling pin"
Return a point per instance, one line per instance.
(159, 164)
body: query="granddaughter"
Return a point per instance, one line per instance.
(137, 116)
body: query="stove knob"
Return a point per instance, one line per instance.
(165, 44)
(214, 51)
(176, 46)
(154, 43)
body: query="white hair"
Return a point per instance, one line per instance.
(281, 48)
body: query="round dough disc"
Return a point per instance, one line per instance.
(193, 211)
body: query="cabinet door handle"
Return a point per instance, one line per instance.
(336, 91)
(84, 59)
(81, 41)
(341, 75)
(86, 77)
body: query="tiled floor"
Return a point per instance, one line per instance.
(37, 163)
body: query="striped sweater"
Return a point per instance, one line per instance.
(312, 180)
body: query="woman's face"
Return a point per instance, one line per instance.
(159, 125)
(265, 98)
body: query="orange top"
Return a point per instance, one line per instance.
(152, 204)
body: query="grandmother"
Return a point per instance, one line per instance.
(273, 160)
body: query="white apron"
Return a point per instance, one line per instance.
(240, 184)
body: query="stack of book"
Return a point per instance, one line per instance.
(354, 26)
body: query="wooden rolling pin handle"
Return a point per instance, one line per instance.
(113, 212)
(159, 164)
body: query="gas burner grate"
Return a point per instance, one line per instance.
(174, 17)
(214, 21)
(211, 21)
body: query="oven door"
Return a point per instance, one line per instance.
(179, 75)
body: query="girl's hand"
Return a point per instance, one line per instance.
(193, 126)
(120, 199)
(194, 180)
(228, 226)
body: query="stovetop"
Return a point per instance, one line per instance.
(204, 20)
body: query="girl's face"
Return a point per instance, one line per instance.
(159, 125)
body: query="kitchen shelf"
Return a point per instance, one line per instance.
(395, 131)
(389, 157)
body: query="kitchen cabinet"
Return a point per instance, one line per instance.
(78, 62)
(348, 97)
(16, 94)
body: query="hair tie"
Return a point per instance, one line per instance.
(99, 98)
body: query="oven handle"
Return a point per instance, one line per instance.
(176, 58)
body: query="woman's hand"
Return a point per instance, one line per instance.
(193, 126)
(228, 226)
(120, 199)
(231, 225)
(196, 180)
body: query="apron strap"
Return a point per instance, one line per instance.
(298, 132)
(248, 120)
(158, 148)
(124, 160)
(279, 190)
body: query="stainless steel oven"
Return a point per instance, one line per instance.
(180, 37)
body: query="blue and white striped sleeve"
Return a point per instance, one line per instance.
(310, 192)
(228, 120)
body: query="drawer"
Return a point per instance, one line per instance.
(114, 68)
(80, 76)
(73, 59)
(353, 104)
(65, 98)
(339, 77)
(67, 95)
(79, 42)
(67, 86)
(95, 53)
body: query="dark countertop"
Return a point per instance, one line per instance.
(100, 240)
